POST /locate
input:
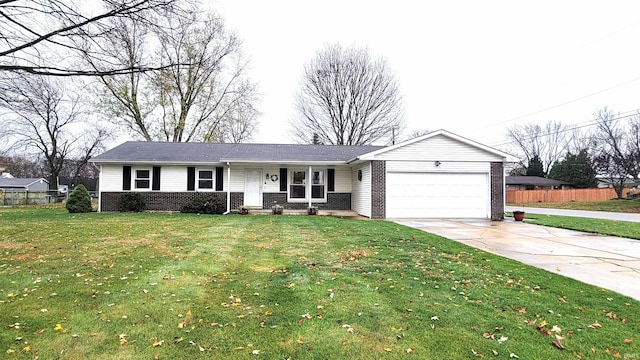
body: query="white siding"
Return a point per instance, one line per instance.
(173, 178)
(444, 166)
(343, 180)
(111, 178)
(361, 190)
(439, 148)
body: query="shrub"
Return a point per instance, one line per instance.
(204, 204)
(131, 202)
(79, 200)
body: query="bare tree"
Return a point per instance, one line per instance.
(615, 148)
(347, 99)
(42, 36)
(41, 116)
(203, 87)
(417, 133)
(127, 99)
(549, 142)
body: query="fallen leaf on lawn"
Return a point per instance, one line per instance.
(502, 339)
(495, 353)
(256, 352)
(435, 318)
(26, 349)
(306, 316)
(476, 354)
(387, 349)
(344, 342)
(300, 341)
(522, 310)
(531, 322)
(157, 343)
(487, 335)
(409, 350)
(628, 341)
(557, 342)
(595, 325)
(611, 315)
(556, 328)
(544, 330)
(512, 355)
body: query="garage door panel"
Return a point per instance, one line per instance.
(437, 195)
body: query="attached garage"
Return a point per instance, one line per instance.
(437, 195)
(438, 175)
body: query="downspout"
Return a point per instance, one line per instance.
(99, 190)
(228, 189)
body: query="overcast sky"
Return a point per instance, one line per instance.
(471, 67)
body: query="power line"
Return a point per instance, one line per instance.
(567, 102)
(577, 126)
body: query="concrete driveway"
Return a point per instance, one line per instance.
(608, 262)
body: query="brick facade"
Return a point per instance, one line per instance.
(497, 191)
(335, 201)
(378, 189)
(157, 201)
(173, 201)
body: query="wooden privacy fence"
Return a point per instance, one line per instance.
(534, 196)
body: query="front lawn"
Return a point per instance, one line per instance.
(172, 286)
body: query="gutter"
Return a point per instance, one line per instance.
(228, 189)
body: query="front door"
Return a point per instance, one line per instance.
(253, 188)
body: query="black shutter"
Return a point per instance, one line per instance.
(219, 178)
(126, 178)
(155, 182)
(331, 179)
(191, 178)
(283, 179)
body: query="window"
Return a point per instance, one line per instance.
(142, 179)
(205, 179)
(297, 190)
(317, 185)
(298, 185)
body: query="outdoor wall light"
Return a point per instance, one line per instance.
(267, 176)
(437, 163)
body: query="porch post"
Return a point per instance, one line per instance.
(228, 188)
(309, 183)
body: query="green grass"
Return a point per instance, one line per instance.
(598, 226)
(626, 206)
(171, 286)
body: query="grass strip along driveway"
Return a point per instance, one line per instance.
(168, 286)
(625, 229)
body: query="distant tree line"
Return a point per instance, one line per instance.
(608, 148)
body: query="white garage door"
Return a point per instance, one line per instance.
(437, 195)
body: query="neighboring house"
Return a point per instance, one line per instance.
(535, 183)
(23, 191)
(23, 184)
(438, 175)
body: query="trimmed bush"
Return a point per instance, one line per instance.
(204, 204)
(131, 202)
(79, 200)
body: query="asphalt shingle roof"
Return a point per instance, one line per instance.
(533, 180)
(17, 182)
(170, 152)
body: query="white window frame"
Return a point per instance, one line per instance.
(213, 179)
(308, 185)
(135, 178)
